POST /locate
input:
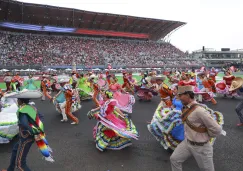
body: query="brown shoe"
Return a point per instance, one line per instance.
(214, 101)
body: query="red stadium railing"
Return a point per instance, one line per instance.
(112, 33)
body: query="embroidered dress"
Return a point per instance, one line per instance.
(112, 132)
(144, 92)
(85, 91)
(30, 85)
(166, 125)
(124, 101)
(8, 120)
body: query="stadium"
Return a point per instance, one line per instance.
(107, 92)
(90, 39)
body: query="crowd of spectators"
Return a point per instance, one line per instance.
(18, 49)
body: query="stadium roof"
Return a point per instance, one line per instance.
(84, 22)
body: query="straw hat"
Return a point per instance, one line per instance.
(63, 80)
(161, 77)
(236, 83)
(184, 89)
(25, 94)
(201, 73)
(92, 77)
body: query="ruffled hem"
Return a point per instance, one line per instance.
(9, 131)
(162, 128)
(105, 142)
(129, 132)
(4, 140)
(128, 107)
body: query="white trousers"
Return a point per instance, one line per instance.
(62, 107)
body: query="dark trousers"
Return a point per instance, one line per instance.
(238, 110)
(18, 86)
(20, 152)
(8, 86)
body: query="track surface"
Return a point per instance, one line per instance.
(74, 148)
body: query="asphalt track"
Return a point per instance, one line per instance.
(74, 147)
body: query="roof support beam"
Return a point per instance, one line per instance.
(113, 21)
(93, 20)
(101, 21)
(73, 17)
(81, 20)
(134, 24)
(145, 27)
(48, 17)
(163, 31)
(163, 24)
(124, 19)
(6, 13)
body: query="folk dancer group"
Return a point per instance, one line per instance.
(179, 122)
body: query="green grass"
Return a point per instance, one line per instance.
(120, 80)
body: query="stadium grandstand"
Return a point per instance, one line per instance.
(42, 35)
(218, 59)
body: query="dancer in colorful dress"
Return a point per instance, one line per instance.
(212, 81)
(237, 85)
(31, 130)
(59, 99)
(173, 80)
(30, 84)
(108, 76)
(146, 91)
(186, 80)
(45, 87)
(85, 90)
(114, 130)
(125, 101)
(165, 92)
(166, 125)
(131, 79)
(73, 79)
(8, 119)
(7, 79)
(95, 87)
(228, 78)
(127, 84)
(102, 82)
(16, 82)
(212, 75)
(54, 86)
(207, 91)
(69, 97)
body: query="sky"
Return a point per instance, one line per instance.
(211, 23)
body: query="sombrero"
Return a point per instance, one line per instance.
(92, 77)
(161, 77)
(44, 75)
(236, 83)
(63, 80)
(24, 94)
(201, 73)
(184, 89)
